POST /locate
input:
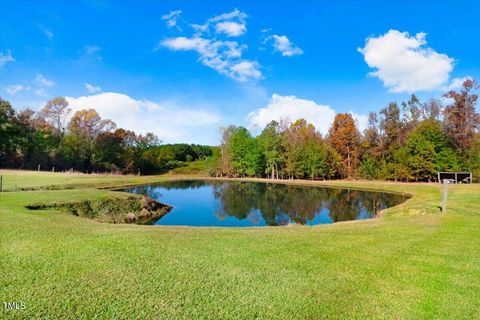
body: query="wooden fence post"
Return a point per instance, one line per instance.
(444, 195)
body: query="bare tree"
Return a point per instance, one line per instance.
(56, 112)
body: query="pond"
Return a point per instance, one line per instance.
(246, 204)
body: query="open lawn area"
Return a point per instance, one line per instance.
(413, 262)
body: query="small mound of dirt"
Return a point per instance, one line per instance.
(140, 210)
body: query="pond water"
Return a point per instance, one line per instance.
(246, 204)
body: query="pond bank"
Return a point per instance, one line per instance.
(140, 210)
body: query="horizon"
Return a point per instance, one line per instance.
(188, 69)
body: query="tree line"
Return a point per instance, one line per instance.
(407, 142)
(53, 139)
(410, 141)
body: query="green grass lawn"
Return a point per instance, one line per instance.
(412, 263)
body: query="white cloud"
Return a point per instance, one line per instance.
(222, 56)
(171, 122)
(291, 108)
(232, 29)
(5, 58)
(91, 88)
(232, 24)
(217, 52)
(41, 81)
(199, 28)
(285, 46)
(40, 92)
(47, 32)
(245, 70)
(171, 18)
(405, 64)
(456, 83)
(16, 88)
(235, 14)
(91, 49)
(183, 43)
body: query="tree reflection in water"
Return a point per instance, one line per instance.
(281, 204)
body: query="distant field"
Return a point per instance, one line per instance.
(17, 179)
(413, 262)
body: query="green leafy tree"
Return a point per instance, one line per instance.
(473, 158)
(8, 133)
(446, 156)
(369, 169)
(271, 139)
(421, 156)
(109, 150)
(255, 159)
(398, 168)
(73, 152)
(371, 144)
(296, 138)
(246, 153)
(315, 161)
(391, 128)
(225, 165)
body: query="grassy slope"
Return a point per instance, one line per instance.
(412, 263)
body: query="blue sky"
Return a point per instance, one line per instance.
(183, 69)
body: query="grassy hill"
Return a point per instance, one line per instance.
(413, 262)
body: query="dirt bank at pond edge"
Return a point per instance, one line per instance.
(140, 210)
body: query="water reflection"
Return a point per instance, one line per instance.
(214, 203)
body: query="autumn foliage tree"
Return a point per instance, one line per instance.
(344, 137)
(56, 112)
(84, 127)
(461, 119)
